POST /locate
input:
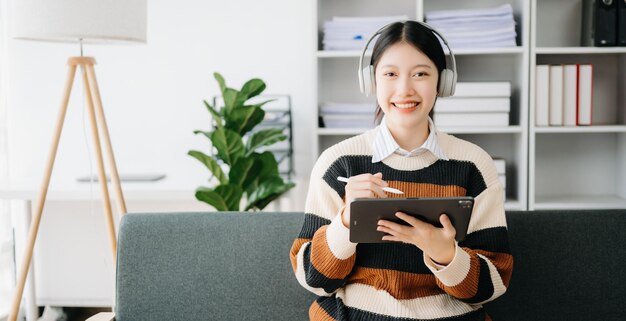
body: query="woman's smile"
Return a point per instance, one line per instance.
(405, 107)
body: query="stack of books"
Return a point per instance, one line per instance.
(475, 104)
(347, 115)
(351, 33)
(563, 95)
(475, 28)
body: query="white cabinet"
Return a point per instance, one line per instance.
(337, 80)
(577, 167)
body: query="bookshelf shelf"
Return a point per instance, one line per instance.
(458, 52)
(580, 202)
(450, 130)
(582, 129)
(587, 166)
(579, 50)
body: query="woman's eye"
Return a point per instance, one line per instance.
(421, 74)
(389, 74)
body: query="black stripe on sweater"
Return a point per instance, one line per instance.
(311, 224)
(409, 258)
(391, 256)
(493, 239)
(339, 311)
(485, 284)
(316, 279)
(452, 172)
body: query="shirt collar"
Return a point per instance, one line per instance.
(384, 144)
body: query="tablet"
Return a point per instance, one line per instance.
(365, 213)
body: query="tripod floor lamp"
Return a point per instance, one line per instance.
(78, 21)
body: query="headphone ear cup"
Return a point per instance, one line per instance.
(447, 83)
(369, 82)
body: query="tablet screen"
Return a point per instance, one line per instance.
(365, 213)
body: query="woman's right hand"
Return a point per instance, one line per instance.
(362, 186)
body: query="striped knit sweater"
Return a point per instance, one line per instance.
(396, 281)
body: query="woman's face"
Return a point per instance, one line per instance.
(406, 86)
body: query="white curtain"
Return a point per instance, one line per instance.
(6, 240)
(4, 158)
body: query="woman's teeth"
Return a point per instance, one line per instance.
(410, 105)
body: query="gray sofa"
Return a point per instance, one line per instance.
(569, 265)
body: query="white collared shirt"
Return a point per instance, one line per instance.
(384, 144)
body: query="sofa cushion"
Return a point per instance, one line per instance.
(569, 265)
(209, 266)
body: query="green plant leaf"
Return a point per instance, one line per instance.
(269, 165)
(263, 138)
(261, 204)
(229, 145)
(212, 198)
(252, 87)
(230, 102)
(244, 172)
(267, 191)
(211, 164)
(266, 167)
(215, 114)
(205, 133)
(220, 81)
(222, 198)
(243, 119)
(231, 194)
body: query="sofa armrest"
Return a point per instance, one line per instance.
(102, 316)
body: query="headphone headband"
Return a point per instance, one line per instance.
(447, 79)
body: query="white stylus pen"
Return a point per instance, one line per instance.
(386, 189)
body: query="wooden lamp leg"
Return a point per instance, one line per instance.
(34, 227)
(101, 173)
(115, 178)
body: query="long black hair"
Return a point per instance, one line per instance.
(418, 36)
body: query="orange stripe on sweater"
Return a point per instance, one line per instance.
(400, 285)
(503, 263)
(469, 286)
(317, 313)
(426, 189)
(293, 253)
(325, 261)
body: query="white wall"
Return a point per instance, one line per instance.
(152, 94)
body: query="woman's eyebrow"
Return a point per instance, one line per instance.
(416, 66)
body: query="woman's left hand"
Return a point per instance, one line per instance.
(436, 243)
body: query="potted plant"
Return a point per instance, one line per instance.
(239, 169)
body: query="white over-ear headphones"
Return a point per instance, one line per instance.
(447, 78)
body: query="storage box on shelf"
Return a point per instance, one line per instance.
(577, 166)
(337, 81)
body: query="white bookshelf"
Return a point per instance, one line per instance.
(337, 80)
(577, 167)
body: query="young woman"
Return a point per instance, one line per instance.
(423, 274)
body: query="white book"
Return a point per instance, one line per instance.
(483, 89)
(556, 95)
(585, 94)
(471, 119)
(349, 121)
(570, 94)
(468, 105)
(500, 165)
(542, 96)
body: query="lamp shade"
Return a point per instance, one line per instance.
(93, 21)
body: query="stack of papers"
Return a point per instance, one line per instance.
(475, 104)
(475, 28)
(351, 33)
(347, 115)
